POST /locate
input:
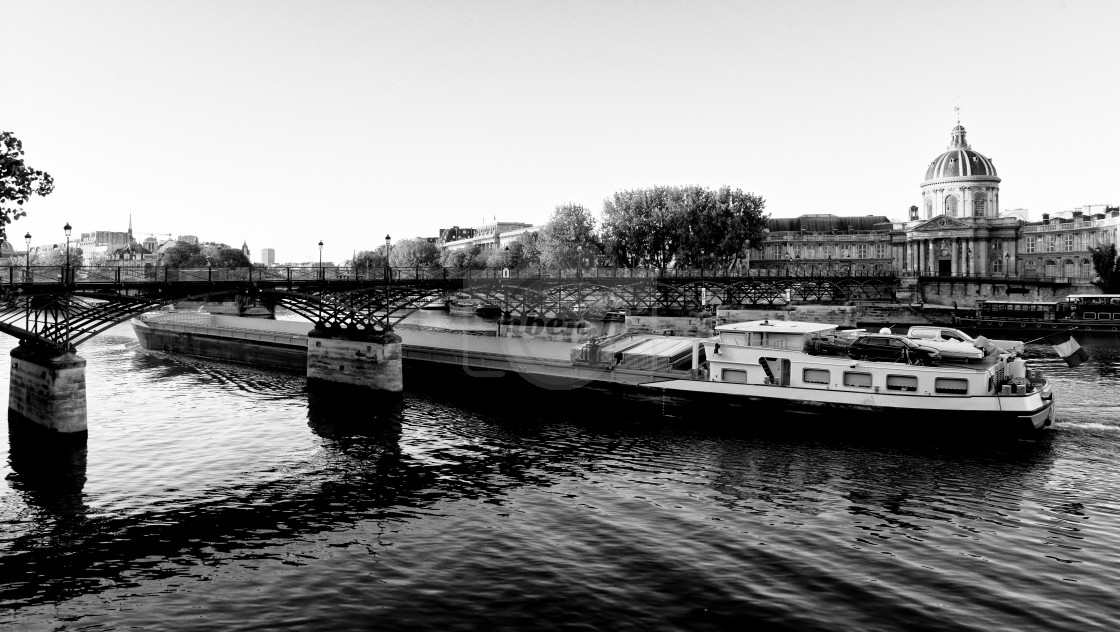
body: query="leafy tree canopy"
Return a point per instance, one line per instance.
(184, 255)
(1108, 268)
(686, 226)
(568, 236)
(369, 259)
(414, 252)
(57, 257)
(18, 181)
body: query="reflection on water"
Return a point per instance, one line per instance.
(225, 497)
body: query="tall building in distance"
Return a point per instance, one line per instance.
(268, 256)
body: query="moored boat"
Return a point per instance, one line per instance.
(1085, 313)
(766, 364)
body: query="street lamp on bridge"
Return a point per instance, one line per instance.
(388, 277)
(27, 240)
(320, 259)
(66, 229)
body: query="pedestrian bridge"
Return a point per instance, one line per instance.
(52, 310)
(61, 307)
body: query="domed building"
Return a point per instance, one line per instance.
(958, 231)
(961, 182)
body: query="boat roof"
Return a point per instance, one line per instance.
(665, 347)
(1093, 296)
(778, 327)
(1020, 302)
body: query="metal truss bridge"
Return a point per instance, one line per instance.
(62, 307)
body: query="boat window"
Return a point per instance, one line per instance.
(858, 379)
(737, 376)
(902, 383)
(951, 385)
(734, 338)
(816, 376)
(1089, 316)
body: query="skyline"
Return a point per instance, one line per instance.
(355, 120)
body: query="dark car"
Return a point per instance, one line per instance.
(892, 348)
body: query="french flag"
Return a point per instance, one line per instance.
(1067, 347)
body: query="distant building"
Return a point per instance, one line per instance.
(454, 234)
(490, 236)
(187, 239)
(268, 256)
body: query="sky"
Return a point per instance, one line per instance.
(282, 123)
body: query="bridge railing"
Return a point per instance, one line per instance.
(152, 274)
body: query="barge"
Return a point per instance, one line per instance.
(769, 370)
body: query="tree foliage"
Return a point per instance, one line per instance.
(1108, 268)
(568, 236)
(414, 252)
(684, 226)
(18, 181)
(184, 255)
(57, 257)
(229, 258)
(368, 259)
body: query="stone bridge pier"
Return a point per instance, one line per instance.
(47, 393)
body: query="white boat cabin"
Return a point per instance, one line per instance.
(772, 353)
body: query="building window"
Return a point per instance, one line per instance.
(978, 204)
(997, 264)
(1030, 245)
(1051, 244)
(1069, 268)
(1068, 242)
(861, 251)
(1086, 268)
(929, 208)
(951, 206)
(881, 251)
(1051, 267)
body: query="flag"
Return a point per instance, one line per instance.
(1067, 347)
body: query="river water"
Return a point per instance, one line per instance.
(218, 496)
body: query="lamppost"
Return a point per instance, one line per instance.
(27, 240)
(320, 259)
(66, 229)
(388, 277)
(1006, 263)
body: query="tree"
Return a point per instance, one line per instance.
(368, 260)
(570, 229)
(414, 252)
(229, 258)
(184, 255)
(18, 182)
(57, 257)
(1108, 269)
(684, 226)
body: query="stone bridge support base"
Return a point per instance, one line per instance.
(47, 394)
(370, 363)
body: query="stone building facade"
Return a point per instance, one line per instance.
(957, 231)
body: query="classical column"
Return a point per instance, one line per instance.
(954, 253)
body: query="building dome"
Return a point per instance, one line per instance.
(960, 182)
(960, 161)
